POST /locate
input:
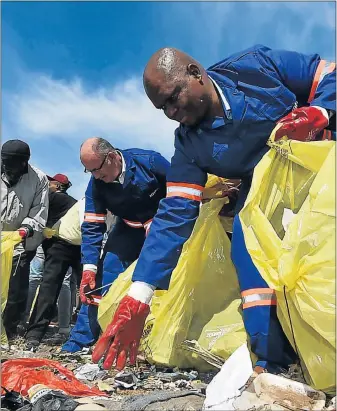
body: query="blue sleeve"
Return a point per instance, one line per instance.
(93, 226)
(173, 223)
(307, 76)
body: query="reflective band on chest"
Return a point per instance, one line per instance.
(324, 67)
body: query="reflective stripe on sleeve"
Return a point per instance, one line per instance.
(258, 297)
(94, 218)
(137, 224)
(324, 67)
(147, 226)
(190, 191)
(133, 224)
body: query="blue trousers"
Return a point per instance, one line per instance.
(122, 248)
(267, 338)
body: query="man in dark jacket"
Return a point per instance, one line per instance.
(59, 256)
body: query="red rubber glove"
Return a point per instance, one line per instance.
(302, 124)
(122, 336)
(88, 283)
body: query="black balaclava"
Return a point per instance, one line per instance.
(15, 155)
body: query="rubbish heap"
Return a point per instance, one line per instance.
(148, 387)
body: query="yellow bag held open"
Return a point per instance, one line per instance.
(9, 239)
(203, 302)
(288, 223)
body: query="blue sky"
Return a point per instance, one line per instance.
(72, 70)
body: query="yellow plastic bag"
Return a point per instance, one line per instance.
(297, 259)
(203, 288)
(215, 187)
(9, 239)
(68, 227)
(217, 335)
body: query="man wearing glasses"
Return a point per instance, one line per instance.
(129, 184)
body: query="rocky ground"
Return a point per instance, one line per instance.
(149, 388)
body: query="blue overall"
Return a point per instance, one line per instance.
(257, 88)
(267, 339)
(134, 202)
(115, 259)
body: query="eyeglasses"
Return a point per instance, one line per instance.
(98, 168)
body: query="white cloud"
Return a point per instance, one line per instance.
(215, 27)
(67, 112)
(51, 108)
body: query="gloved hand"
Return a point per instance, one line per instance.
(303, 124)
(122, 336)
(88, 283)
(25, 232)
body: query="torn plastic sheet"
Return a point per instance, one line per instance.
(23, 373)
(225, 386)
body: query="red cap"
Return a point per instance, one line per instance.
(60, 178)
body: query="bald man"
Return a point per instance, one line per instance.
(129, 184)
(226, 114)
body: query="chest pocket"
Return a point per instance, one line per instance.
(264, 92)
(269, 97)
(145, 191)
(219, 150)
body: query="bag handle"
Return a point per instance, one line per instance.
(298, 151)
(281, 145)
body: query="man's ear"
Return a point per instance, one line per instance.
(111, 157)
(193, 70)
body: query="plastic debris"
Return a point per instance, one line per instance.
(225, 386)
(332, 404)
(177, 375)
(23, 373)
(126, 380)
(12, 400)
(51, 400)
(172, 376)
(104, 386)
(186, 384)
(89, 372)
